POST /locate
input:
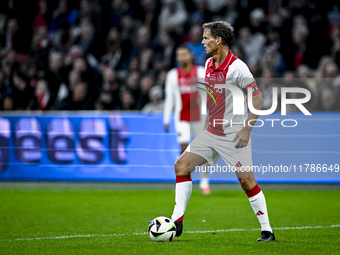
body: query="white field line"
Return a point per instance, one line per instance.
(189, 232)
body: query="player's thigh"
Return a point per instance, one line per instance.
(237, 159)
(188, 162)
(203, 145)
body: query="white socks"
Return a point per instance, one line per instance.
(258, 203)
(183, 193)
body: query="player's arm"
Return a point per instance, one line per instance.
(243, 136)
(169, 100)
(245, 80)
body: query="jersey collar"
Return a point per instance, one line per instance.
(224, 64)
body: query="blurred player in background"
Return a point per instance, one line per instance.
(231, 142)
(182, 94)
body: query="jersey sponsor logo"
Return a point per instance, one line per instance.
(211, 88)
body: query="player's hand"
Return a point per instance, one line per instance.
(166, 128)
(242, 138)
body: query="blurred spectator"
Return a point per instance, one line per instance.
(55, 75)
(321, 71)
(305, 75)
(41, 96)
(145, 85)
(266, 84)
(127, 101)
(167, 49)
(41, 47)
(173, 16)
(156, 104)
(214, 5)
(257, 21)
(30, 69)
(22, 92)
(62, 16)
(201, 14)
(117, 50)
(15, 38)
(118, 9)
(195, 45)
(3, 21)
(88, 42)
(146, 61)
(274, 60)
(41, 18)
(73, 78)
(132, 82)
(251, 44)
(7, 104)
(78, 99)
(327, 100)
(151, 10)
(299, 35)
(105, 101)
(231, 14)
(89, 11)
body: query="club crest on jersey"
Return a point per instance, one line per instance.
(220, 77)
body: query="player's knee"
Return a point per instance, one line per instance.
(181, 168)
(247, 183)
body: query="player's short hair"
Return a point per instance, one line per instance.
(221, 29)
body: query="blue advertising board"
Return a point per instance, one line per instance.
(134, 147)
(86, 147)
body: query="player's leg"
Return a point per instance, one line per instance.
(196, 128)
(183, 130)
(186, 163)
(204, 183)
(258, 203)
(241, 161)
(197, 153)
(183, 147)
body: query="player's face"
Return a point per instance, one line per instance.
(183, 56)
(209, 42)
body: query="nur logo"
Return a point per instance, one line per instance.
(239, 99)
(208, 92)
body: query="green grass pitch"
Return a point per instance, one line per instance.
(113, 219)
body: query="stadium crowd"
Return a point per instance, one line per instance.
(114, 55)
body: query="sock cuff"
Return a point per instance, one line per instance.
(185, 178)
(254, 191)
(180, 218)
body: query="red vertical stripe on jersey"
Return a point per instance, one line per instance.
(217, 76)
(189, 94)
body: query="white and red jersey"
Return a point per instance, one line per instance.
(232, 71)
(181, 92)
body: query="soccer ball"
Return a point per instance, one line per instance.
(162, 229)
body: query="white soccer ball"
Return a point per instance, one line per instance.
(162, 229)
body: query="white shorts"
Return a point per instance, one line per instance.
(212, 147)
(187, 130)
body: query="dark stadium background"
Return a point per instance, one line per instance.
(85, 162)
(107, 55)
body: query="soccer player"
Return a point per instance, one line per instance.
(226, 135)
(181, 91)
